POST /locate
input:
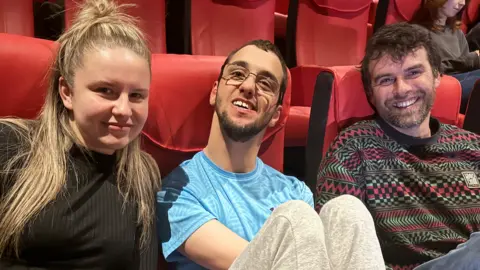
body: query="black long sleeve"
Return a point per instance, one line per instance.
(87, 227)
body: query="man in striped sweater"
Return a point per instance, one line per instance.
(418, 178)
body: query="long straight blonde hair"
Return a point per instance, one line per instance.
(46, 141)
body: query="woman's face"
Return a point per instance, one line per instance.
(451, 8)
(109, 98)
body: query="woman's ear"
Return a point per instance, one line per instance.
(65, 93)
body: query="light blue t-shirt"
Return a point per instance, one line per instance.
(199, 191)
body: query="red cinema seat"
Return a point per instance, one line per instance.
(216, 27)
(16, 17)
(150, 13)
(327, 33)
(180, 115)
(281, 16)
(351, 105)
(321, 33)
(470, 15)
(24, 66)
(392, 11)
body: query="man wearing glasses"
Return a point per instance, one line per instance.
(226, 209)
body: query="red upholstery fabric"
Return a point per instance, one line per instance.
(180, 114)
(470, 15)
(24, 65)
(16, 17)
(151, 15)
(401, 10)
(331, 33)
(220, 26)
(351, 103)
(303, 82)
(281, 6)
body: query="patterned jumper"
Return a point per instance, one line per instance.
(423, 194)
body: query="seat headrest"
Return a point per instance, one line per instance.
(342, 5)
(406, 9)
(179, 111)
(352, 104)
(24, 67)
(241, 3)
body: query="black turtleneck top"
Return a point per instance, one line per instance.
(87, 227)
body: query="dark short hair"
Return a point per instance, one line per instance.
(397, 41)
(268, 47)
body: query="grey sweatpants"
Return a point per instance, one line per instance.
(295, 237)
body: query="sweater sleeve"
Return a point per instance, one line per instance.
(468, 61)
(340, 172)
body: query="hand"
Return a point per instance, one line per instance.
(478, 52)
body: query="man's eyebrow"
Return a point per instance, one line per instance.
(240, 63)
(415, 67)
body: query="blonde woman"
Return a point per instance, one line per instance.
(76, 191)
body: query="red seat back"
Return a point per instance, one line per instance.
(401, 10)
(281, 6)
(219, 26)
(180, 115)
(470, 15)
(151, 15)
(16, 17)
(352, 105)
(331, 33)
(24, 65)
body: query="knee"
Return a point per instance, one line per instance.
(295, 211)
(346, 207)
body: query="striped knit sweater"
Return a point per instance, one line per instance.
(423, 194)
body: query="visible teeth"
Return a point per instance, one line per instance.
(241, 104)
(405, 104)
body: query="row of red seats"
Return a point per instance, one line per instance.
(215, 27)
(172, 132)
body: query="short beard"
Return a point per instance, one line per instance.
(403, 121)
(241, 133)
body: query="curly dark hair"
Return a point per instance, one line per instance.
(268, 47)
(397, 41)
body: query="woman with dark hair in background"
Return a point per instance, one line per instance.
(440, 18)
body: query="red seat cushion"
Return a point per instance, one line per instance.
(180, 115)
(151, 15)
(16, 17)
(24, 65)
(220, 26)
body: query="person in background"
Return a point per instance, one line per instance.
(418, 178)
(440, 18)
(76, 191)
(226, 209)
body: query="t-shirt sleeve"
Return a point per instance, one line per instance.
(340, 172)
(179, 211)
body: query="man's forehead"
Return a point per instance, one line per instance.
(259, 60)
(387, 61)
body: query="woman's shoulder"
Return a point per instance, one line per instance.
(14, 131)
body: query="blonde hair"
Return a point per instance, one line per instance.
(46, 141)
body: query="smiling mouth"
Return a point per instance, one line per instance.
(243, 105)
(406, 103)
